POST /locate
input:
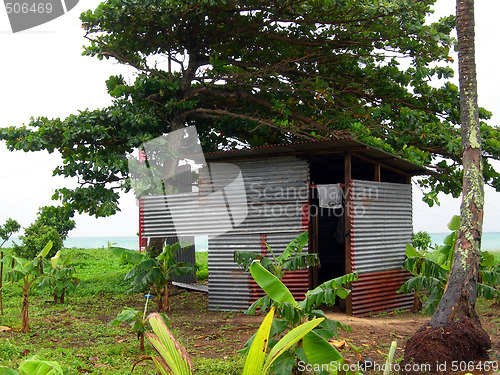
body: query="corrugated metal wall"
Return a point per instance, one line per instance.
(277, 195)
(381, 226)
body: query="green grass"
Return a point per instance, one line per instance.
(202, 266)
(76, 334)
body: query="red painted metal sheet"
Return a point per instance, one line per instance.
(376, 292)
(296, 281)
(143, 241)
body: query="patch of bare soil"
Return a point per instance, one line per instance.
(215, 334)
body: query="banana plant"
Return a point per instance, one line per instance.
(173, 358)
(291, 259)
(258, 361)
(60, 278)
(137, 322)
(34, 366)
(157, 271)
(430, 271)
(291, 313)
(25, 274)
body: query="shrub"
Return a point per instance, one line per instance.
(36, 236)
(57, 217)
(422, 240)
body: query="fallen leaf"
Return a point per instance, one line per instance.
(25, 352)
(122, 340)
(94, 359)
(4, 328)
(379, 352)
(337, 343)
(54, 340)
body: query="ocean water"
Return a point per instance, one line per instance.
(102, 242)
(490, 242)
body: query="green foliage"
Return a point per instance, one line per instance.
(34, 366)
(422, 240)
(157, 272)
(291, 259)
(173, 357)
(291, 314)
(35, 237)
(175, 360)
(8, 229)
(201, 266)
(430, 274)
(232, 61)
(257, 362)
(60, 278)
(24, 274)
(57, 217)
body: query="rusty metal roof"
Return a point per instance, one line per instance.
(319, 148)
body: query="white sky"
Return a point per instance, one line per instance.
(42, 73)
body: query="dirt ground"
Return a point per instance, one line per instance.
(221, 334)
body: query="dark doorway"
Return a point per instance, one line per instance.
(327, 224)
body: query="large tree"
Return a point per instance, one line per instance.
(262, 72)
(464, 340)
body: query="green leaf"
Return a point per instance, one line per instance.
(174, 355)
(126, 316)
(284, 364)
(411, 251)
(130, 255)
(8, 371)
(487, 259)
(270, 284)
(55, 259)
(39, 367)
(319, 351)
(46, 249)
(454, 223)
(290, 339)
(257, 352)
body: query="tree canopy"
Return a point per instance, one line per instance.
(263, 72)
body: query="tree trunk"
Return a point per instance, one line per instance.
(1, 283)
(155, 247)
(463, 338)
(24, 312)
(61, 300)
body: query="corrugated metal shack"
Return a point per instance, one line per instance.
(366, 230)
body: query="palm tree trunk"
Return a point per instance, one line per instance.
(456, 313)
(460, 295)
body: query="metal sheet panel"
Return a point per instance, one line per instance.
(273, 196)
(376, 292)
(277, 195)
(381, 226)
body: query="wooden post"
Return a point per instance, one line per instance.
(347, 216)
(377, 173)
(1, 282)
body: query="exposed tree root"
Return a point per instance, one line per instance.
(458, 342)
